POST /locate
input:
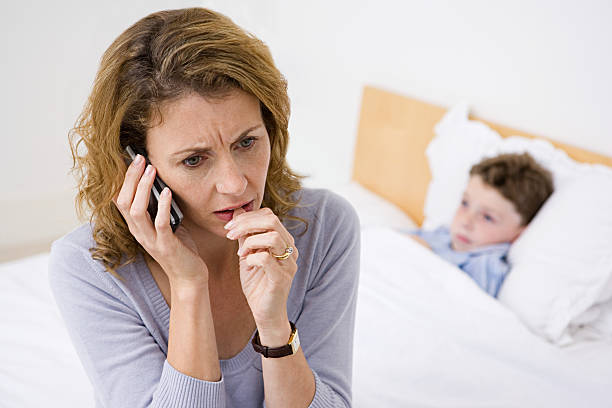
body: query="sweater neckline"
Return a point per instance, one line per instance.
(162, 314)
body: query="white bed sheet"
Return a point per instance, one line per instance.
(38, 364)
(428, 336)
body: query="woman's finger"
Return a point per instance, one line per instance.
(257, 222)
(271, 241)
(162, 219)
(276, 272)
(242, 216)
(138, 211)
(237, 212)
(124, 199)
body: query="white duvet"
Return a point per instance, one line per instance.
(428, 336)
(38, 364)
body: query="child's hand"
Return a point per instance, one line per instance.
(420, 241)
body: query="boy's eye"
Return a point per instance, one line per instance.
(192, 161)
(247, 142)
(464, 203)
(488, 218)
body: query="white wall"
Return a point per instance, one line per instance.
(50, 54)
(539, 66)
(543, 67)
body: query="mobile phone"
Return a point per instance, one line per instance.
(176, 215)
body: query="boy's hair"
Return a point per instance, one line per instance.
(520, 179)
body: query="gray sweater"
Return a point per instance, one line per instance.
(120, 329)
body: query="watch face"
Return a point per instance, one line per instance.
(295, 344)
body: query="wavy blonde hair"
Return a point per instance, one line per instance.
(162, 57)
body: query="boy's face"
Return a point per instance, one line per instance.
(484, 217)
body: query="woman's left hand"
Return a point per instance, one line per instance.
(265, 280)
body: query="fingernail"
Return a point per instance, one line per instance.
(229, 225)
(166, 191)
(149, 170)
(230, 235)
(138, 159)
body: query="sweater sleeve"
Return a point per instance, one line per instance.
(327, 320)
(125, 365)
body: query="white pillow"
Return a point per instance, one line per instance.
(556, 278)
(600, 325)
(372, 209)
(562, 263)
(459, 143)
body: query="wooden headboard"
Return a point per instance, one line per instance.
(394, 131)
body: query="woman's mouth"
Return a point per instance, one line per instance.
(228, 214)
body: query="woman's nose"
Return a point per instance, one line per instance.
(230, 179)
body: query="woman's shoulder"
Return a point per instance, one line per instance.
(79, 237)
(318, 204)
(333, 224)
(70, 259)
(73, 245)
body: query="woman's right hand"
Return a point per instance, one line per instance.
(176, 253)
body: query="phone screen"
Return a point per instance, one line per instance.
(176, 216)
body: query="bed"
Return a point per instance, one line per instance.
(426, 335)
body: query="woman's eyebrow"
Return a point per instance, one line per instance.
(205, 149)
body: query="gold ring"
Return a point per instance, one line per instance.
(288, 251)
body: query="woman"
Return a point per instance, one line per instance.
(207, 316)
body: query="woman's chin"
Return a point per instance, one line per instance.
(210, 227)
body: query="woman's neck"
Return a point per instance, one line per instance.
(219, 253)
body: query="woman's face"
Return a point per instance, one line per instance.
(213, 154)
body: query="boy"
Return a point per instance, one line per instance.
(503, 195)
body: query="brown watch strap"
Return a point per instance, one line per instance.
(273, 352)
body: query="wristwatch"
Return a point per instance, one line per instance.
(288, 349)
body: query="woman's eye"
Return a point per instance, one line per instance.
(246, 143)
(464, 203)
(192, 161)
(488, 218)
